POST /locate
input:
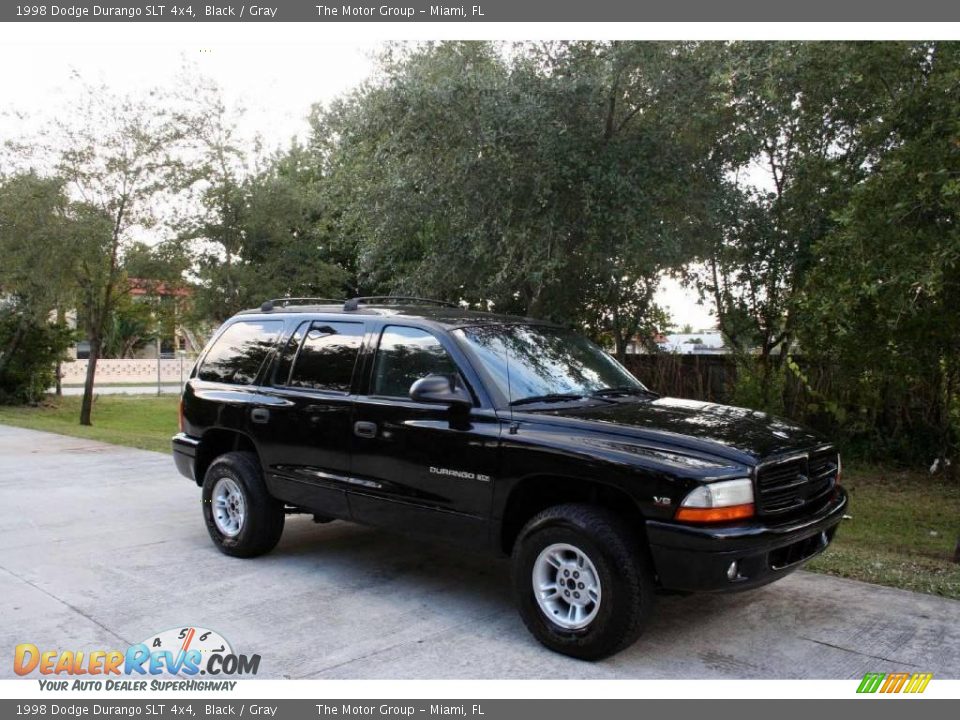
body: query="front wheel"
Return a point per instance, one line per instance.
(581, 580)
(243, 519)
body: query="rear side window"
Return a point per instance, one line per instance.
(285, 358)
(405, 355)
(327, 357)
(238, 354)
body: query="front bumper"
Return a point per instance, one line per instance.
(688, 557)
(185, 454)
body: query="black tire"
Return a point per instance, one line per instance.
(623, 568)
(263, 514)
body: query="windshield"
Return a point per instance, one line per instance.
(545, 361)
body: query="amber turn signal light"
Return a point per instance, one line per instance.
(715, 514)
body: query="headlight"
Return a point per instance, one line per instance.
(720, 501)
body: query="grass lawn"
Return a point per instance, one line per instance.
(141, 421)
(903, 532)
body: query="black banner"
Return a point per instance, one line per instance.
(483, 11)
(179, 709)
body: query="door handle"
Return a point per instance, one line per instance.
(365, 429)
(260, 415)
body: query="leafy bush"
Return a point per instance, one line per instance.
(28, 356)
(759, 385)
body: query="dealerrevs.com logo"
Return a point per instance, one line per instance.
(170, 660)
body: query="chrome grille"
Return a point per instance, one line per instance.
(795, 481)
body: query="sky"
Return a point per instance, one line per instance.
(274, 84)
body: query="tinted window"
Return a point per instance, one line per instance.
(544, 360)
(406, 355)
(327, 357)
(281, 375)
(239, 352)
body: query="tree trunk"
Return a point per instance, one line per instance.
(621, 349)
(86, 405)
(100, 317)
(61, 320)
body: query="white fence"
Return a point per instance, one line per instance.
(127, 372)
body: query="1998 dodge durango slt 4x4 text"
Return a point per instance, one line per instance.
(504, 433)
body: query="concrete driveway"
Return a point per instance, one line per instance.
(102, 546)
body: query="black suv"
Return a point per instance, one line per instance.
(509, 434)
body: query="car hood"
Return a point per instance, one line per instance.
(698, 425)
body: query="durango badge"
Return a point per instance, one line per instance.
(462, 474)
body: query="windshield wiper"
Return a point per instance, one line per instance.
(623, 390)
(547, 398)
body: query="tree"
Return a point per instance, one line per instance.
(258, 232)
(164, 263)
(29, 372)
(559, 182)
(796, 110)
(881, 303)
(38, 246)
(118, 157)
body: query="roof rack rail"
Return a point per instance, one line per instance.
(354, 303)
(269, 305)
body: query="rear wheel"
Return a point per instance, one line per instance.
(241, 516)
(581, 580)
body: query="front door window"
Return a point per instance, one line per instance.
(405, 355)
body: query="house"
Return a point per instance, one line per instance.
(156, 292)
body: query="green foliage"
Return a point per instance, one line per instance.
(38, 247)
(131, 326)
(557, 183)
(881, 304)
(167, 262)
(759, 385)
(31, 370)
(796, 110)
(259, 232)
(266, 239)
(817, 401)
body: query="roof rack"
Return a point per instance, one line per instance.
(355, 303)
(269, 305)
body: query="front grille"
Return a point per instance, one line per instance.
(823, 467)
(794, 482)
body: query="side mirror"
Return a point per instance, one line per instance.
(442, 390)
